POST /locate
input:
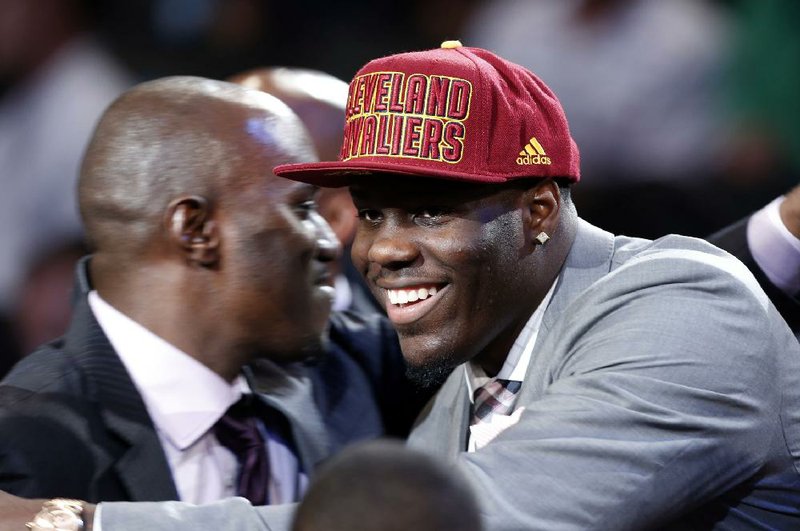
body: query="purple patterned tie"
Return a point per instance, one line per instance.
(238, 431)
(496, 396)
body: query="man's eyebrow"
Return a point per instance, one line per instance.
(305, 189)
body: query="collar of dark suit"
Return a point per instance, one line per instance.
(142, 465)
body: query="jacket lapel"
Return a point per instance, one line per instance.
(138, 460)
(288, 390)
(588, 260)
(441, 428)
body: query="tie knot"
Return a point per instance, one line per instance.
(496, 396)
(238, 429)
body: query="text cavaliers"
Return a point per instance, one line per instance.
(420, 117)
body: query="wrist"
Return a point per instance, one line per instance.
(789, 211)
(62, 514)
(88, 516)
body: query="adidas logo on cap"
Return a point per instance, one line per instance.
(532, 153)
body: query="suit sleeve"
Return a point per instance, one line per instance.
(734, 240)
(658, 392)
(233, 514)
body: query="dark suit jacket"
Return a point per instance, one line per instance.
(734, 240)
(73, 424)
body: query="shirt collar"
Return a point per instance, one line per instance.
(183, 397)
(516, 364)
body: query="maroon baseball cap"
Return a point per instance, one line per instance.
(455, 113)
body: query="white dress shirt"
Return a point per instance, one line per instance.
(185, 399)
(774, 248)
(514, 369)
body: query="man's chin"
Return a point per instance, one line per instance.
(430, 374)
(311, 348)
(315, 348)
(428, 362)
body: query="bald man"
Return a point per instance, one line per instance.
(389, 487)
(319, 99)
(207, 295)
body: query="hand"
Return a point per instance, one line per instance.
(790, 211)
(16, 512)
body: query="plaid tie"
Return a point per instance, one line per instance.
(497, 396)
(238, 431)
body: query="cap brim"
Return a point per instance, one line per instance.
(336, 174)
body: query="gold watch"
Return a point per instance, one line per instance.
(59, 514)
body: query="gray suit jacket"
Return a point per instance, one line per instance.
(663, 391)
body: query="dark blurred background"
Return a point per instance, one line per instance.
(686, 111)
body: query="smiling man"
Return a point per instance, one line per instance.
(448, 269)
(600, 382)
(595, 381)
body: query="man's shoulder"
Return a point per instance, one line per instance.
(663, 296)
(681, 259)
(628, 248)
(43, 394)
(47, 369)
(673, 294)
(46, 448)
(603, 268)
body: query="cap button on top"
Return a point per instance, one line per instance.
(451, 44)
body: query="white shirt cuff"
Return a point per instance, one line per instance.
(774, 248)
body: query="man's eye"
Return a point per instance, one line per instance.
(305, 208)
(369, 215)
(431, 215)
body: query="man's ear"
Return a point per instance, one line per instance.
(543, 205)
(190, 227)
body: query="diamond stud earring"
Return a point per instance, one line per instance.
(542, 237)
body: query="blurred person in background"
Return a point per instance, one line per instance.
(639, 81)
(220, 38)
(763, 109)
(55, 80)
(319, 100)
(44, 304)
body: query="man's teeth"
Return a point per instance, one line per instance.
(403, 296)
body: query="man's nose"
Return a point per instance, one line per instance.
(393, 248)
(328, 246)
